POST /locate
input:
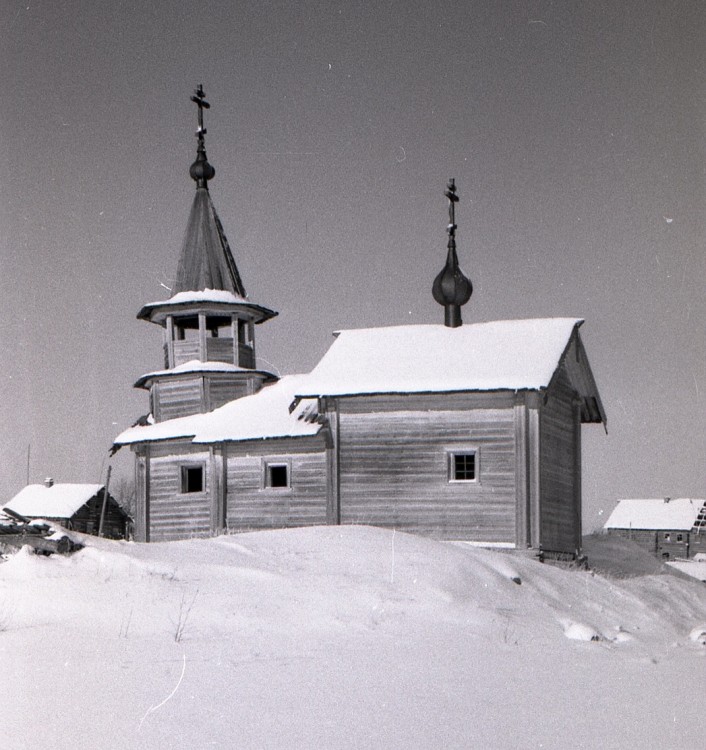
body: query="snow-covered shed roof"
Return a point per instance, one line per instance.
(679, 513)
(499, 355)
(266, 414)
(55, 501)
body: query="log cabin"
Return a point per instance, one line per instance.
(459, 432)
(667, 527)
(77, 507)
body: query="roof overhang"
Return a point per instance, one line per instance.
(215, 301)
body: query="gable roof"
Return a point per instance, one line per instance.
(262, 416)
(57, 501)
(680, 513)
(499, 355)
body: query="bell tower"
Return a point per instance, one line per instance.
(209, 322)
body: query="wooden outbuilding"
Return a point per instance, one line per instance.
(77, 507)
(667, 527)
(469, 432)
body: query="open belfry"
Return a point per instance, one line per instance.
(468, 432)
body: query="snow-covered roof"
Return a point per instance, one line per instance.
(209, 296)
(56, 501)
(266, 414)
(499, 355)
(205, 295)
(679, 513)
(194, 365)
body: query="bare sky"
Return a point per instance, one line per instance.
(575, 132)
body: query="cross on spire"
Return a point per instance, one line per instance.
(450, 193)
(201, 171)
(199, 99)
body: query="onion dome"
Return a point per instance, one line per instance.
(452, 288)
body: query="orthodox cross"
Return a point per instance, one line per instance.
(201, 103)
(450, 193)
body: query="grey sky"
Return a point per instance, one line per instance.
(575, 132)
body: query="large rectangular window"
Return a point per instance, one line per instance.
(192, 479)
(463, 466)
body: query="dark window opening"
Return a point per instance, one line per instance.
(192, 479)
(186, 328)
(680, 538)
(278, 475)
(463, 467)
(218, 326)
(667, 536)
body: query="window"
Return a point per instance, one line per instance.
(667, 536)
(186, 328)
(463, 466)
(192, 479)
(277, 475)
(219, 326)
(680, 538)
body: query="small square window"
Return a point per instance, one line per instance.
(462, 467)
(192, 479)
(667, 536)
(680, 538)
(277, 475)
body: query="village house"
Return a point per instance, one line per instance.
(667, 527)
(468, 432)
(77, 507)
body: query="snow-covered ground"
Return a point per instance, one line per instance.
(347, 637)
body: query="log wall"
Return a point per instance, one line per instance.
(174, 514)
(393, 460)
(560, 468)
(250, 504)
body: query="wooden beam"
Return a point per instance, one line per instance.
(533, 455)
(522, 488)
(105, 501)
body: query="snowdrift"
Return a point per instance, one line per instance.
(343, 637)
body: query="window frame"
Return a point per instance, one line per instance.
(184, 470)
(463, 450)
(276, 462)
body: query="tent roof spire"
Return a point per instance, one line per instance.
(206, 261)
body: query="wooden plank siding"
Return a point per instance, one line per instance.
(174, 514)
(251, 505)
(177, 397)
(183, 396)
(393, 466)
(560, 478)
(665, 544)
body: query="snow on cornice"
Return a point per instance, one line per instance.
(205, 296)
(196, 366)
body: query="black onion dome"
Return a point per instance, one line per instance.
(452, 288)
(201, 170)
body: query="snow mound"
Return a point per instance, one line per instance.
(578, 631)
(698, 635)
